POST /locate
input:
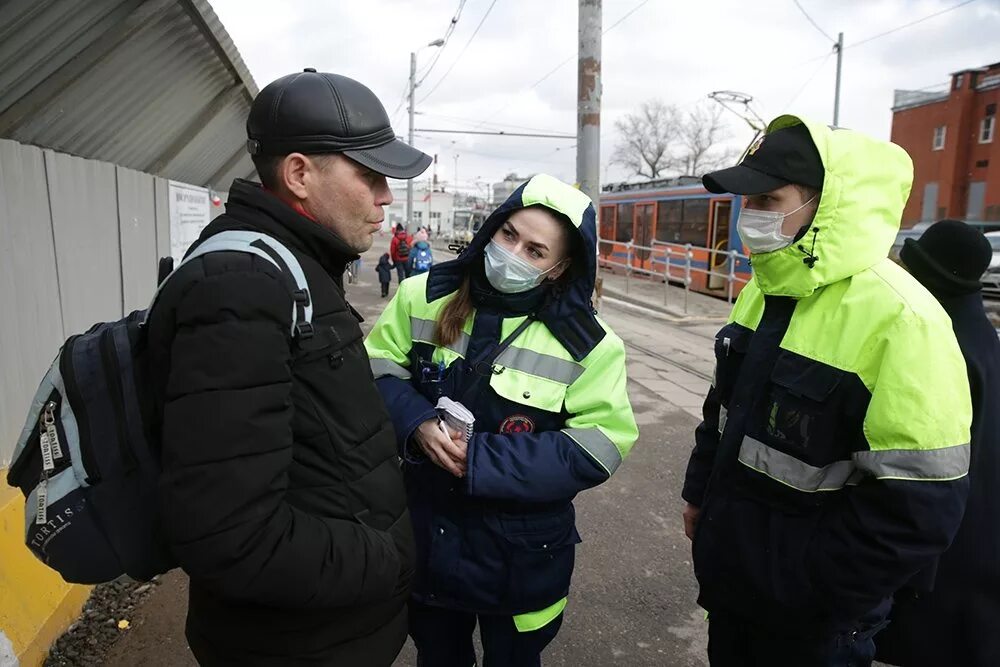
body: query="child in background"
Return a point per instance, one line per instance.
(384, 270)
(421, 258)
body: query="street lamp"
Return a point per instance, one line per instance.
(413, 88)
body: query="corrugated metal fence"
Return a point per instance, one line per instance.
(79, 243)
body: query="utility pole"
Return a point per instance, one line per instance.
(588, 108)
(413, 111)
(839, 48)
(409, 182)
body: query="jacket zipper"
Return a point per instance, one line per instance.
(113, 372)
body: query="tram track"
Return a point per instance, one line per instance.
(673, 362)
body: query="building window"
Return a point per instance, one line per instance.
(418, 215)
(435, 215)
(939, 133)
(958, 81)
(986, 129)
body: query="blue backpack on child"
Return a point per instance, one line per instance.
(423, 260)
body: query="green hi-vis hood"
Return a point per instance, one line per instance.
(865, 187)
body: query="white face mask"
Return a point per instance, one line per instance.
(510, 274)
(761, 230)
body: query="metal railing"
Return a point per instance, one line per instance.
(674, 256)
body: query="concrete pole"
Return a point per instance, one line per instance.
(588, 109)
(409, 182)
(839, 47)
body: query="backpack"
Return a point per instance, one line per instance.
(423, 260)
(86, 462)
(402, 248)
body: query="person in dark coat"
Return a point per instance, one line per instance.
(956, 623)
(384, 270)
(281, 495)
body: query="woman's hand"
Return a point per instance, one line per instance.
(445, 451)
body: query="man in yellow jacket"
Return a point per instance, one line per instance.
(831, 465)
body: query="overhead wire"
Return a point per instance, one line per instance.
(447, 36)
(464, 48)
(498, 126)
(891, 31)
(810, 19)
(806, 84)
(563, 63)
(910, 24)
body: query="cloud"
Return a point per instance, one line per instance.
(678, 52)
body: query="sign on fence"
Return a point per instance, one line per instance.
(190, 212)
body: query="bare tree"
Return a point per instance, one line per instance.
(659, 139)
(701, 132)
(646, 136)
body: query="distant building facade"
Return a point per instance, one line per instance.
(952, 137)
(432, 207)
(505, 188)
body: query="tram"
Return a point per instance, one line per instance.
(651, 225)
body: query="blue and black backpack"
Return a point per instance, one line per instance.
(423, 260)
(86, 461)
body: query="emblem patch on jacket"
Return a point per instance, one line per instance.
(517, 424)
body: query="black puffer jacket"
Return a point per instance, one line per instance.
(956, 623)
(281, 493)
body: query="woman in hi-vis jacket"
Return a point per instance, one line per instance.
(508, 331)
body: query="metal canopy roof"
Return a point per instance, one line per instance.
(154, 85)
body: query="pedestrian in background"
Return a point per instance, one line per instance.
(421, 256)
(507, 331)
(384, 270)
(282, 497)
(399, 251)
(831, 465)
(956, 623)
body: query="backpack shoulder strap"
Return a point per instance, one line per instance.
(267, 248)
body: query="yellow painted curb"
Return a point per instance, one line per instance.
(36, 605)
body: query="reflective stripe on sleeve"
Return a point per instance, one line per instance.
(599, 446)
(943, 464)
(916, 464)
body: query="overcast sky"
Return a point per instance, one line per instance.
(674, 51)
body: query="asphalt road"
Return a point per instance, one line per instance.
(632, 601)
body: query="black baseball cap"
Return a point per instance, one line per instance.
(781, 157)
(317, 112)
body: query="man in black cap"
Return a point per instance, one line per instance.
(831, 465)
(281, 493)
(956, 622)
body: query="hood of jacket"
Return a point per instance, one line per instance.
(865, 187)
(569, 313)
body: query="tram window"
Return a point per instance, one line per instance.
(607, 222)
(624, 227)
(669, 216)
(695, 227)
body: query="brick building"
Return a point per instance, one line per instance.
(952, 137)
